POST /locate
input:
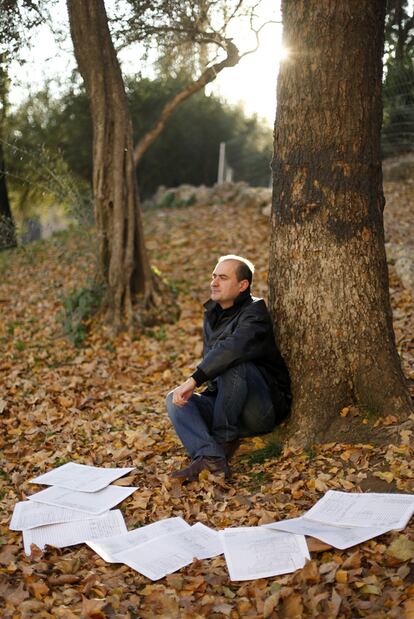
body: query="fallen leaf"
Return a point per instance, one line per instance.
(7, 554)
(292, 607)
(13, 595)
(401, 548)
(341, 577)
(385, 475)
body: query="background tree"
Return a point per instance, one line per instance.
(124, 267)
(7, 226)
(328, 272)
(16, 16)
(124, 264)
(190, 38)
(398, 91)
(46, 128)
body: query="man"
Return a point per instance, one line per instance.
(247, 380)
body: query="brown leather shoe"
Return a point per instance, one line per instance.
(230, 448)
(203, 463)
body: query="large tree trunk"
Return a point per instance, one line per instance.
(124, 265)
(7, 226)
(328, 273)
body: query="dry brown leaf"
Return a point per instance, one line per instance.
(292, 607)
(316, 545)
(13, 595)
(409, 609)
(401, 548)
(7, 554)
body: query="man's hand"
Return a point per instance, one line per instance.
(183, 392)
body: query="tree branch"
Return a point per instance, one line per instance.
(206, 77)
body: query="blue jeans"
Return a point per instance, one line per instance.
(242, 405)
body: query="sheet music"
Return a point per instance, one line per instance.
(338, 537)
(109, 547)
(70, 533)
(28, 515)
(90, 502)
(258, 552)
(367, 509)
(80, 477)
(171, 552)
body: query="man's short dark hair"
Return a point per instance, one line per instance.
(244, 268)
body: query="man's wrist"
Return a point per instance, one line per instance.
(199, 377)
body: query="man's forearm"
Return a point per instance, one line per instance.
(200, 377)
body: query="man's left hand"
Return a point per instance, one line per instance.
(183, 392)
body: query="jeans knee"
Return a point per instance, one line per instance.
(236, 374)
(169, 404)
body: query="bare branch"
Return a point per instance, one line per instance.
(207, 76)
(257, 35)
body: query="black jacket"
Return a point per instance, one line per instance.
(240, 334)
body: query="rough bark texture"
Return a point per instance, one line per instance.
(7, 226)
(328, 273)
(124, 265)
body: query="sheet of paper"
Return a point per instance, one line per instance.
(369, 509)
(338, 537)
(81, 477)
(171, 552)
(109, 547)
(87, 502)
(258, 552)
(70, 533)
(28, 515)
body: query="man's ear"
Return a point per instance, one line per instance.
(244, 284)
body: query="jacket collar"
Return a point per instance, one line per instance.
(238, 301)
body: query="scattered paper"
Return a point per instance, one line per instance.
(90, 502)
(258, 552)
(28, 515)
(171, 552)
(368, 509)
(70, 533)
(338, 537)
(109, 547)
(81, 477)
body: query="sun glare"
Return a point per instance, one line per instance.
(253, 81)
(283, 53)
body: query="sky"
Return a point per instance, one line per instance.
(252, 82)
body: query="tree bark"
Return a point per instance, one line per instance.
(124, 265)
(328, 274)
(7, 226)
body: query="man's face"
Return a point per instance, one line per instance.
(224, 285)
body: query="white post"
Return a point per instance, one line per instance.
(222, 163)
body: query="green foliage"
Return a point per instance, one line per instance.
(398, 87)
(398, 104)
(191, 140)
(273, 450)
(79, 306)
(48, 149)
(371, 407)
(159, 334)
(310, 452)
(169, 200)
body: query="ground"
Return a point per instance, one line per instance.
(103, 404)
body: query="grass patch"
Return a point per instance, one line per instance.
(80, 305)
(273, 450)
(371, 408)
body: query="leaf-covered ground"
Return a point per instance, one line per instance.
(103, 404)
